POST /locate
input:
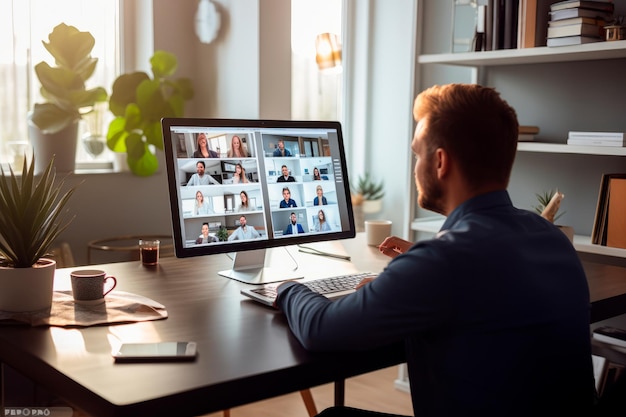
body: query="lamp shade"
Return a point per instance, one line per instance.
(328, 51)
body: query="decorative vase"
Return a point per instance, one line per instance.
(61, 145)
(27, 289)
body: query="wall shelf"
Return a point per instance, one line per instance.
(539, 55)
(571, 149)
(581, 243)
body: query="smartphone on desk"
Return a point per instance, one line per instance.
(156, 352)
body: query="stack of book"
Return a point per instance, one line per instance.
(596, 139)
(574, 22)
(527, 133)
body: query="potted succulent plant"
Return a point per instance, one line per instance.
(31, 217)
(138, 103)
(53, 125)
(369, 194)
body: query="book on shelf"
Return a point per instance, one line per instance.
(604, 135)
(611, 335)
(576, 12)
(572, 40)
(526, 133)
(584, 29)
(595, 141)
(577, 21)
(592, 141)
(528, 129)
(533, 23)
(611, 186)
(604, 5)
(616, 214)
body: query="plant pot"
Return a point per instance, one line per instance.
(27, 289)
(61, 145)
(372, 206)
(569, 232)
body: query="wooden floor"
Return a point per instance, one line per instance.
(373, 391)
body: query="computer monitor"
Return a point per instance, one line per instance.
(266, 174)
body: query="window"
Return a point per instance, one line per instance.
(24, 24)
(315, 94)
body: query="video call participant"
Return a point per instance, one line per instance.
(201, 206)
(320, 200)
(285, 177)
(204, 235)
(236, 148)
(316, 174)
(494, 310)
(321, 225)
(281, 151)
(287, 201)
(244, 232)
(293, 228)
(240, 174)
(202, 148)
(200, 178)
(245, 202)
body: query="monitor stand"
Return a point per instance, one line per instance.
(249, 267)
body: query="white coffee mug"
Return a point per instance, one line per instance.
(376, 231)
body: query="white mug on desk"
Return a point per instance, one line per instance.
(376, 231)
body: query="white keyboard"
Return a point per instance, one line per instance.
(331, 287)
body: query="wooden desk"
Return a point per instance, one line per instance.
(246, 352)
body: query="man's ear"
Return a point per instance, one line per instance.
(442, 163)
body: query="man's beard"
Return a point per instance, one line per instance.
(429, 191)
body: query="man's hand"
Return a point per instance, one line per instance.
(365, 281)
(394, 246)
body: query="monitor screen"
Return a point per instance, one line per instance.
(244, 186)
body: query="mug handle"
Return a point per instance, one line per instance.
(108, 277)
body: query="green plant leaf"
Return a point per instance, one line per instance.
(124, 91)
(116, 135)
(69, 46)
(30, 214)
(50, 118)
(145, 165)
(164, 64)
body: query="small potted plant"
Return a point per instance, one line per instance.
(548, 208)
(31, 218)
(138, 103)
(369, 194)
(222, 234)
(53, 125)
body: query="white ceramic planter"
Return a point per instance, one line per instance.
(61, 145)
(27, 289)
(372, 206)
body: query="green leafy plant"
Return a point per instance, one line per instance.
(30, 214)
(138, 103)
(368, 189)
(222, 234)
(544, 199)
(63, 86)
